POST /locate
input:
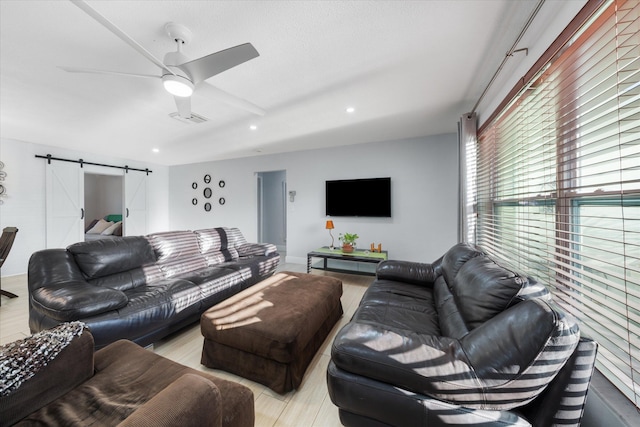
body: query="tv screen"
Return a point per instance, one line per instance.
(359, 197)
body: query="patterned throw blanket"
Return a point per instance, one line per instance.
(22, 359)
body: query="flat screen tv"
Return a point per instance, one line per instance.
(359, 197)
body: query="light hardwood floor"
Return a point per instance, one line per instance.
(308, 406)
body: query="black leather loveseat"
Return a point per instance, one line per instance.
(142, 288)
(460, 341)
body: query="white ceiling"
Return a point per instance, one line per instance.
(409, 68)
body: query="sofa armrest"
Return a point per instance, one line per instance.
(43, 377)
(416, 273)
(563, 401)
(256, 249)
(191, 400)
(76, 300)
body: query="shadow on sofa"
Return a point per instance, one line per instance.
(142, 288)
(460, 341)
(54, 378)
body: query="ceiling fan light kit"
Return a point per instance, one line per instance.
(177, 85)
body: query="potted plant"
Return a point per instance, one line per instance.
(348, 241)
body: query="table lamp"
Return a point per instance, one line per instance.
(329, 226)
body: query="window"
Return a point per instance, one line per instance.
(558, 185)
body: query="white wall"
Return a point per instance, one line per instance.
(424, 183)
(25, 205)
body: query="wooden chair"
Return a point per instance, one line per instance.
(6, 241)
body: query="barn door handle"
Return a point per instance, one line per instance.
(81, 213)
(127, 213)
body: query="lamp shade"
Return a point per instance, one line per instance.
(329, 225)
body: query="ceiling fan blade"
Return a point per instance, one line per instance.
(184, 106)
(118, 32)
(94, 71)
(207, 90)
(202, 68)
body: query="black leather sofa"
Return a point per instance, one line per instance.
(460, 341)
(143, 288)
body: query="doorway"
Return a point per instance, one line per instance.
(103, 195)
(272, 208)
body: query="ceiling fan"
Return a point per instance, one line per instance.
(181, 76)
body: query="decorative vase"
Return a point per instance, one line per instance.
(347, 248)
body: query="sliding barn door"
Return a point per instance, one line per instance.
(64, 204)
(135, 210)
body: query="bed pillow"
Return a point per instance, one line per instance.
(90, 226)
(100, 226)
(111, 229)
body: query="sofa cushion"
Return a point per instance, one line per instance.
(174, 244)
(395, 305)
(103, 257)
(480, 287)
(219, 244)
(455, 258)
(121, 281)
(451, 322)
(178, 252)
(483, 289)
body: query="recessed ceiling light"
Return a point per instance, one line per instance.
(350, 109)
(155, 150)
(253, 127)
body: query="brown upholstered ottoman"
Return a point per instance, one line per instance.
(269, 332)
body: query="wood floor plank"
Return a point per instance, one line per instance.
(304, 407)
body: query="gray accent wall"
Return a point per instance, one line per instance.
(424, 183)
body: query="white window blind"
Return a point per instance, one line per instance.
(558, 185)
